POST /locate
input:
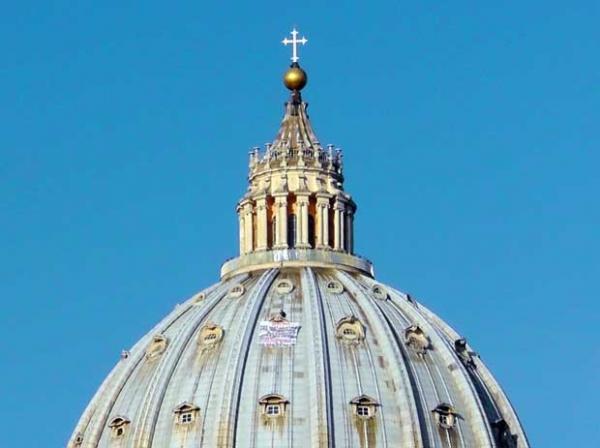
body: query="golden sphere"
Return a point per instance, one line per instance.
(295, 78)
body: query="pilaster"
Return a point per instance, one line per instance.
(261, 223)
(241, 230)
(281, 223)
(302, 221)
(322, 224)
(247, 210)
(338, 225)
(349, 230)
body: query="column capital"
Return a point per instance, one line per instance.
(280, 200)
(339, 205)
(261, 197)
(261, 223)
(302, 198)
(244, 201)
(261, 202)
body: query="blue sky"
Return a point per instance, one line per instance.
(470, 132)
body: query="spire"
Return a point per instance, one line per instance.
(296, 143)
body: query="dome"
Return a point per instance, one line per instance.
(345, 360)
(298, 345)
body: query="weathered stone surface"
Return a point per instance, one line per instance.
(318, 376)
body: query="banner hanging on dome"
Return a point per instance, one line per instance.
(278, 332)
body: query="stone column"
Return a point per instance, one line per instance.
(349, 230)
(343, 229)
(241, 227)
(322, 230)
(281, 228)
(261, 223)
(248, 227)
(338, 225)
(302, 221)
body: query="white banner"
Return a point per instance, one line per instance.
(278, 333)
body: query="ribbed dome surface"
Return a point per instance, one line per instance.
(366, 368)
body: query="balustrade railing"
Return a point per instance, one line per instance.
(327, 158)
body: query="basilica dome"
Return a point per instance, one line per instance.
(298, 345)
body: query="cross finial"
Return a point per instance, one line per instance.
(294, 41)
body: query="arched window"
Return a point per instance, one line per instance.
(311, 231)
(291, 231)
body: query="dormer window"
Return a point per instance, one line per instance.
(78, 441)
(466, 356)
(350, 330)
(199, 298)
(236, 291)
(186, 413)
(157, 346)
(119, 425)
(334, 287)
(210, 334)
(379, 292)
(273, 405)
(364, 407)
(416, 339)
(284, 286)
(445, 415)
